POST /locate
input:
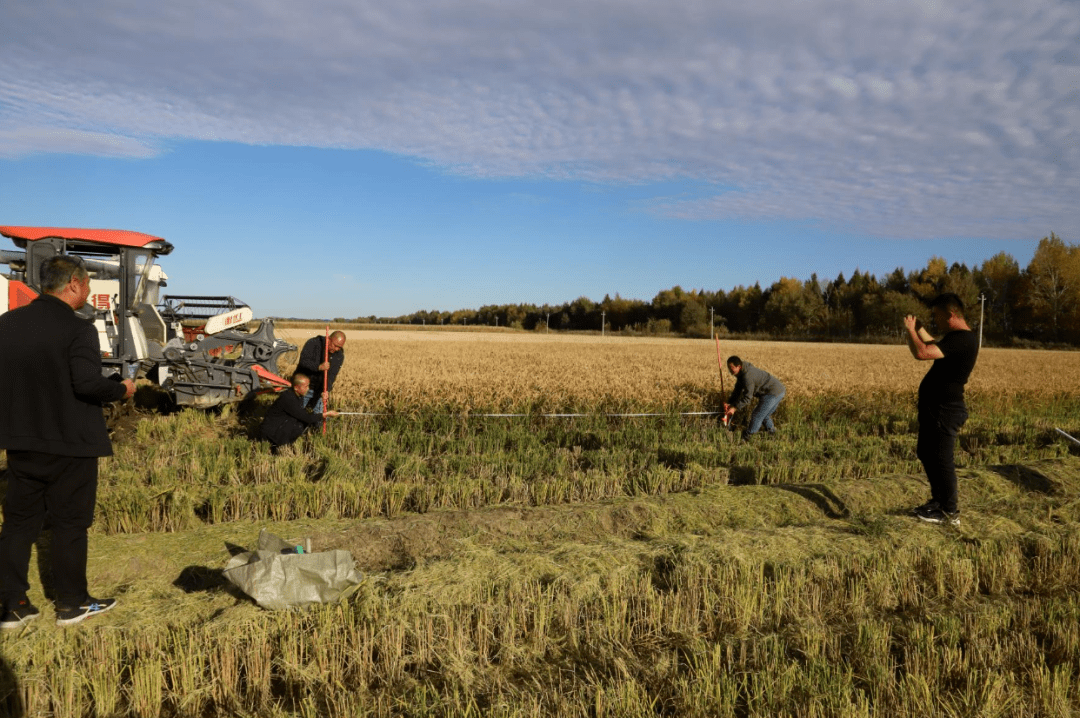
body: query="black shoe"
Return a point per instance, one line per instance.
(931, 505)
(90, 607)
(939, 516)
(20, 615)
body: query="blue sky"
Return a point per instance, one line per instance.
(338, 158)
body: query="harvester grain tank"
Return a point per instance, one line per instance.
(204, 351)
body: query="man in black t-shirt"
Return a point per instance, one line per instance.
(941, 401)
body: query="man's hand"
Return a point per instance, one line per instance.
(324, 366)
(129, 388)
(919, 341)
(330, 413)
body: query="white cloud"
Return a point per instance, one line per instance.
(17, 141)
(929, 119)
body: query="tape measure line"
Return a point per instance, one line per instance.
(544, 416)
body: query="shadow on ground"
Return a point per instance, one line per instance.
(1027, 478)
(821, 496)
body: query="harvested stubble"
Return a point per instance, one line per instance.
(211, 472)
(629, 608)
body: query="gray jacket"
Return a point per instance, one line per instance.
(753, 382)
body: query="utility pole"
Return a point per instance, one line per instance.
(602, 315)
(712, 328)
(547, 321)
(982, 313)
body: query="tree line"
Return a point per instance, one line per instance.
(1036, 304)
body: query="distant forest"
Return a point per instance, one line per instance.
(1036, 305)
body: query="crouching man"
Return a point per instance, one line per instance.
(287, 418)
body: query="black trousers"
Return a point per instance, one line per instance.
(65, 487)
(938, 429)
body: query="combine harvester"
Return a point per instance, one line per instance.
(203, 351)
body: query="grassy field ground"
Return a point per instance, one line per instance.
(592, 565)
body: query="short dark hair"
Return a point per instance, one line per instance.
(734, 361)
(950, 302)
(56, 271)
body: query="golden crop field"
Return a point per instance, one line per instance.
(552, 371)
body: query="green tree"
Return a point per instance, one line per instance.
(583, 314)
(793, 307)
(694, 318)
(839, 319)
(858, 296)
(622, 313)
(998, 280)
(743, 307)
(884, 313)
(1052, 288)
(897, 281)
(961, 281)
(929, 282)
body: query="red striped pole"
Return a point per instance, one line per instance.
(720, 363)
(326, 374)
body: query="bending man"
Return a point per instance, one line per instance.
(312, 365)
(942, 410)
(752, 382)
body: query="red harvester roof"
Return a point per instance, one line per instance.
(120, 237)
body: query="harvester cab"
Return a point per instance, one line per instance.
(204, 351)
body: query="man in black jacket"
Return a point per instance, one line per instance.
(312, 365)
(53, 429)
(287, 418)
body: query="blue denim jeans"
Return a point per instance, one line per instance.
(762, 414)
(307, 400)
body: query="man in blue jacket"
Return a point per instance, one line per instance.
(752, 382)
(53, 429)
